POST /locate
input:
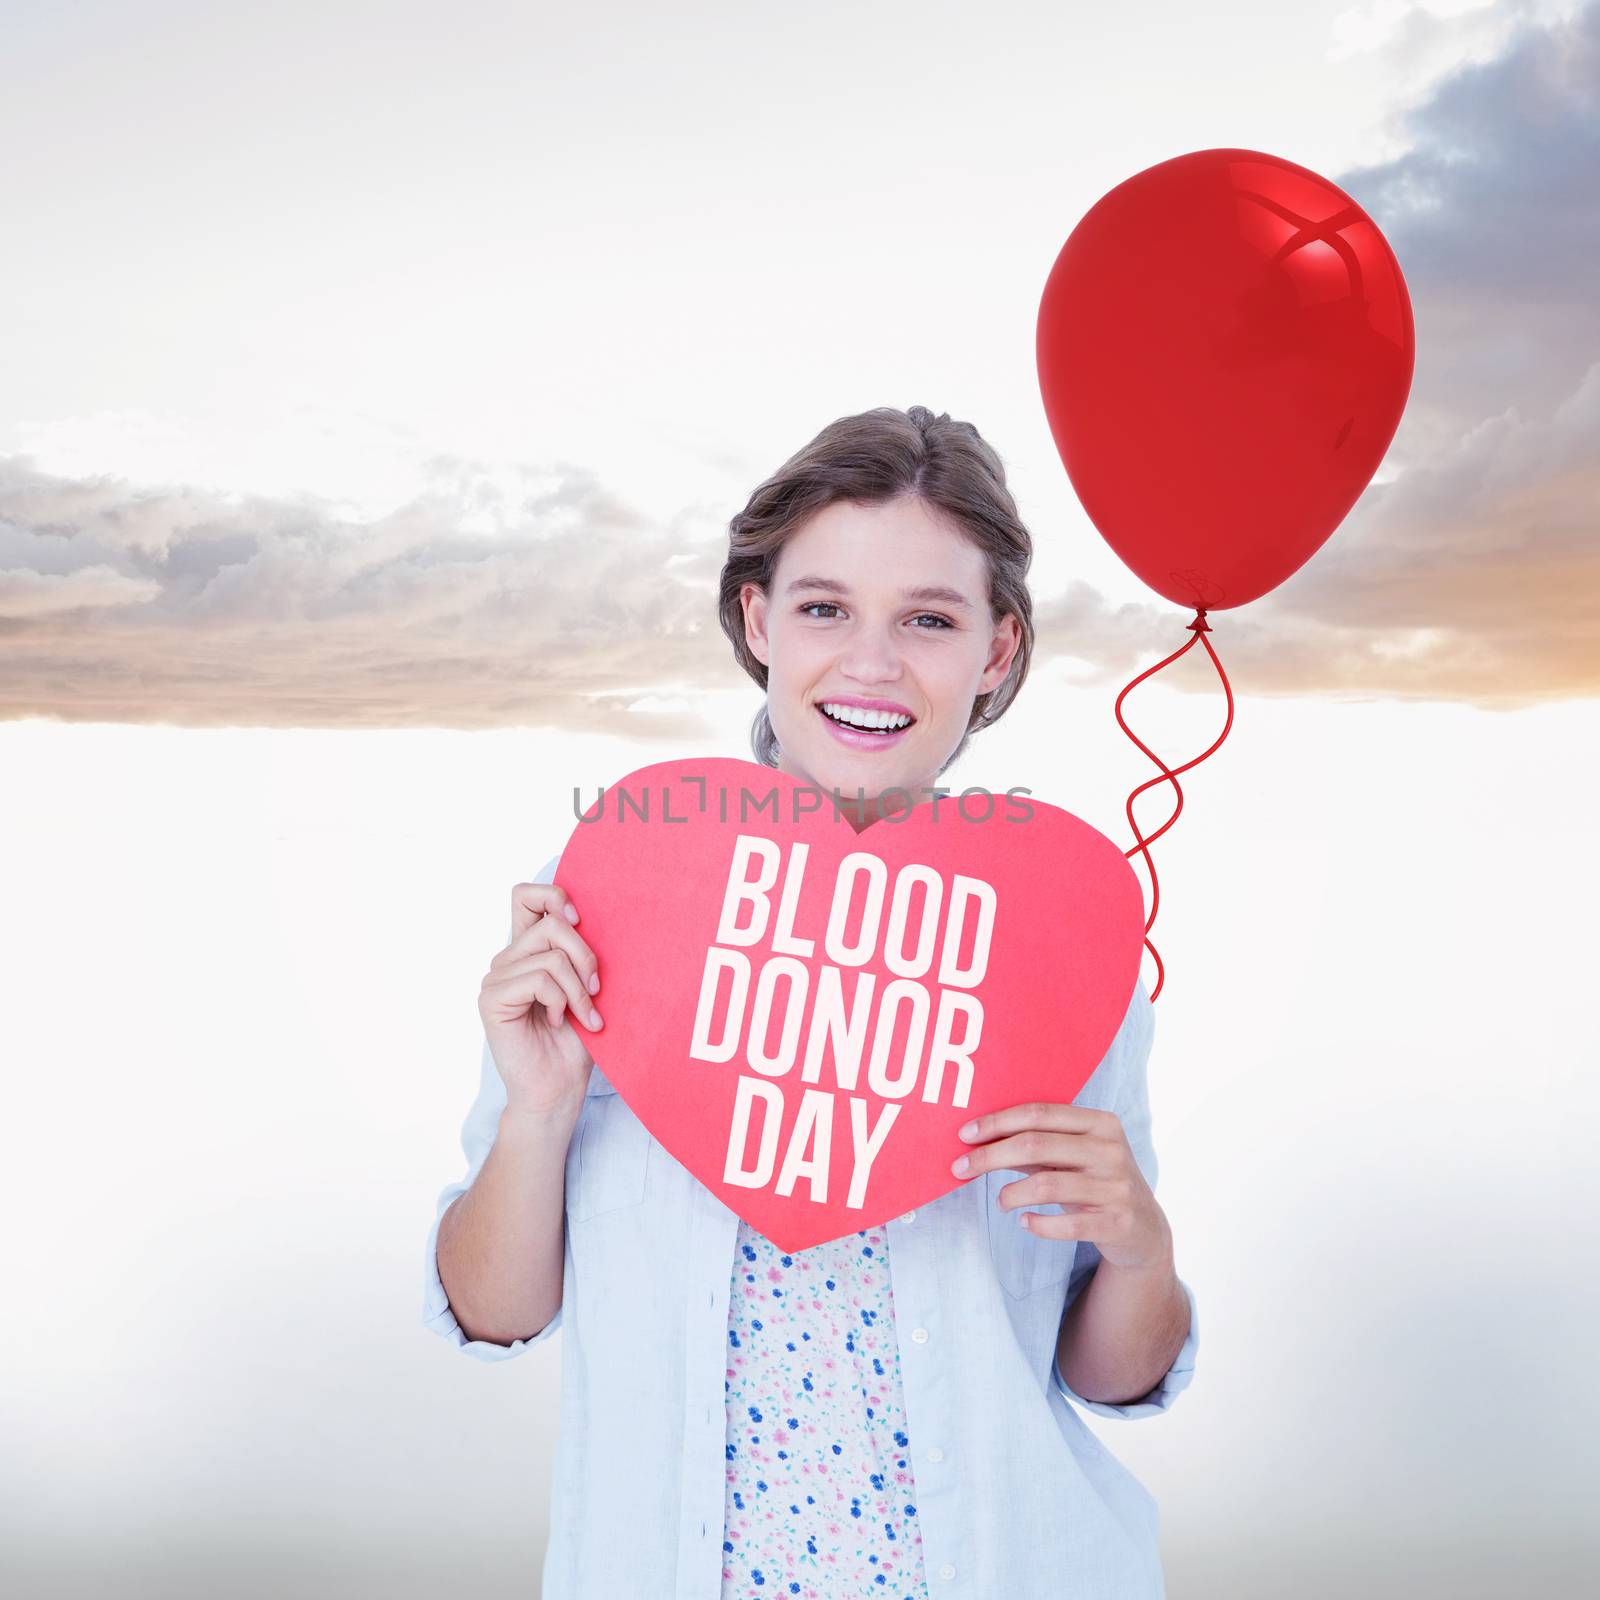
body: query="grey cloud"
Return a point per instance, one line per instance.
(24, 593)
(1473, 575)
(1492, 213)
(252, 611)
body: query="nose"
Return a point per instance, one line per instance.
(871, 658)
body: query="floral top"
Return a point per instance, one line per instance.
(821, 1501)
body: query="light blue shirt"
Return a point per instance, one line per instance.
(1016, 1496)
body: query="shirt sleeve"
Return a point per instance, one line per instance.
(1132, 1105)
(477, 1139)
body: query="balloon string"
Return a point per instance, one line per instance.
(1199, 628)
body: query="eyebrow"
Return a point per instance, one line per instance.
(926, 591)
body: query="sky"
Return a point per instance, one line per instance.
(430, 355)
(379, 384)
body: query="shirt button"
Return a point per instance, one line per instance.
(947, 1571)
(935, 1453)
(920, 1335)
(908, 1216)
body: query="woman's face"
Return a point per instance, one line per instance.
(845, 625)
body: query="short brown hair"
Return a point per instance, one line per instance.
(869, 458)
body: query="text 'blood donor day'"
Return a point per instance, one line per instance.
(845, 1016)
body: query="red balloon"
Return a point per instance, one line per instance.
(1225, 348)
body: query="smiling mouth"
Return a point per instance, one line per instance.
(857, 727)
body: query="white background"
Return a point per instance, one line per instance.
(325, 250)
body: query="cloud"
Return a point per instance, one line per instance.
(1474, 574)
(1474, 577)
(543, 599)
(24, 593)
(172, 605)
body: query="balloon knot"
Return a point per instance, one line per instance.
(1200, 625)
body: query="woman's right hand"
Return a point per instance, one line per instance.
(547, 968)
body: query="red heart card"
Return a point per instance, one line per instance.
(804, 1015)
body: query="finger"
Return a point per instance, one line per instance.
(557, 963)
(1036, 1114)
(1088, 1225)
(1035, 1149)
(1052, 1186)
(508, 999)
(554, 930)
(530, 901)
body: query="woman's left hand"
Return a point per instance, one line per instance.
(1080, 1159)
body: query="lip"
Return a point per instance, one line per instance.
(866, 703)
(858, 740)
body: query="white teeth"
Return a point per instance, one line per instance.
(865, 719)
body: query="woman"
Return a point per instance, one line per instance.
(886, 1414)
